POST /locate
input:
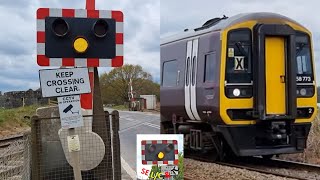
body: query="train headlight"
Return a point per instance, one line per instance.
(305, 91)
(236, 92)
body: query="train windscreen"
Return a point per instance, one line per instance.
(239, 55)
(303, 57)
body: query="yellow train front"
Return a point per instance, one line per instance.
(244, 83)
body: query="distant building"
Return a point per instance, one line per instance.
(150, 101)
(14, 99)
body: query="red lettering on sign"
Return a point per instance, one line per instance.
(167, 175)
(145, 171)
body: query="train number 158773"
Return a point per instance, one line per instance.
(303, 79)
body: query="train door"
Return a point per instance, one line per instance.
(275, 72)
(275, 75)
(190, 93)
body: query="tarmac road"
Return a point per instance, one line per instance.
(131, 124)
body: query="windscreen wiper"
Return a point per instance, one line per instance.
(300, 48)
(241, 49)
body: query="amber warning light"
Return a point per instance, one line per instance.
(80, 45)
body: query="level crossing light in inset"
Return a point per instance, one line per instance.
(79, 37)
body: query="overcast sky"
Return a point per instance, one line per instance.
(18, 67)
(19, 70)
(177, 15)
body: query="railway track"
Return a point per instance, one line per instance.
(281, 168)
(11, 157)
(7, 141)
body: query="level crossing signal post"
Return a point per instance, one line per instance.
(74, 38)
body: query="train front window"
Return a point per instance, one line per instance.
(303, 57)
(238, 65)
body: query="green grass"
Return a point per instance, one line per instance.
(119, 107)
(15, 116)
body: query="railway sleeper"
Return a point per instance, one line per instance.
(10, 170)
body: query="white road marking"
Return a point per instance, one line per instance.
(152, 125)
(129, 119)
(134, 126)
(128, 128)
(128, 169)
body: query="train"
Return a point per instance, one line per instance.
(239, 86)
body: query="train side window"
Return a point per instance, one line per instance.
(169, 73)
(210, 63)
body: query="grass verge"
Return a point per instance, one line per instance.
(120, 107)
(13, 120)
(312, 152)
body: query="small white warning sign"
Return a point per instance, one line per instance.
(170, 169)
(64, 81)
(70, 111)
(73, 143)
(230, 52)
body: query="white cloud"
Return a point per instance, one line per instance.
(19, 70)
(177, 16)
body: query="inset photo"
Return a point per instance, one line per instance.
(160, 156)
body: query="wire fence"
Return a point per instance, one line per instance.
(15, 158)
(55, 151)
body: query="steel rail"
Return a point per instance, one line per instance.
(6, 141)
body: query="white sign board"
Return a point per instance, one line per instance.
(171, 169)
(70, 111)
(61, 82)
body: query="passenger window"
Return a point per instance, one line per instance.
(169, 73)
(210, 63)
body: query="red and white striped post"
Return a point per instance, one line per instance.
(86, 100)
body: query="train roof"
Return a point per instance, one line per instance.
(223, 23)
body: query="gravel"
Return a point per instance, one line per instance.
(202, 170)
(312, 175)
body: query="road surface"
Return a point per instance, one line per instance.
(131, 124)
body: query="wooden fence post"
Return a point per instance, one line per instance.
(35, 146)
(116, 146)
